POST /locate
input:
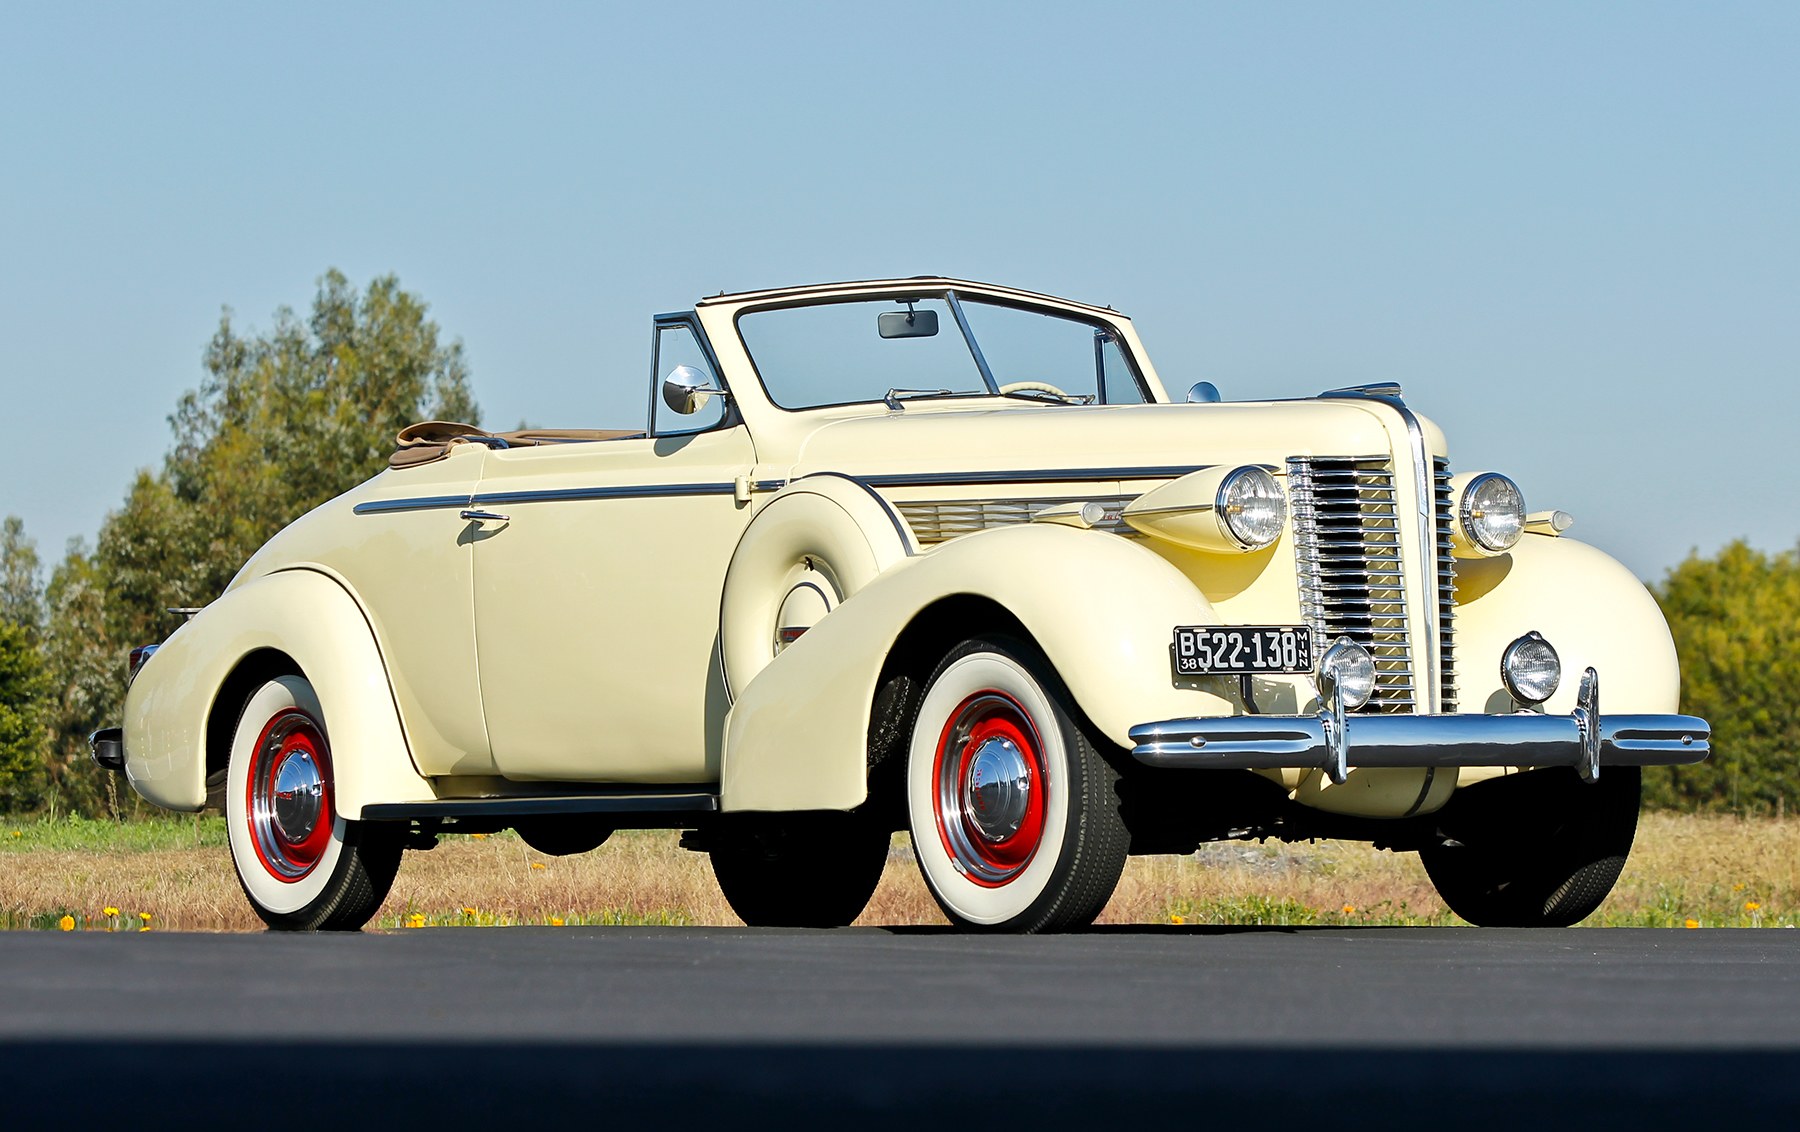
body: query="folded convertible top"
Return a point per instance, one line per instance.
(432, 440)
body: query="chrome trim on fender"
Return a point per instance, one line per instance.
(417, 503)
(580, 494)
(577, 494)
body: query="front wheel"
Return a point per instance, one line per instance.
(1014, 812)
(1535, 850)
(303, 866)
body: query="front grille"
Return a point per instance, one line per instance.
(940, 521)
(1446, 589)
(1347, 551)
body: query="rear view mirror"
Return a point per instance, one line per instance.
(908, 324)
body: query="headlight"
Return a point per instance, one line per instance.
(1530, 669)
(1490, 514)
(1221, 510)
(1251, 507)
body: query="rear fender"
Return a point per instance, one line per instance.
(309, 618)
(1101, 608)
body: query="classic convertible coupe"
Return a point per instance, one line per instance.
(929, 555)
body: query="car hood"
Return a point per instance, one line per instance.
(1102, 441)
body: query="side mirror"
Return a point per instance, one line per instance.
(686, 390)
(907, 324)
(1203, 393)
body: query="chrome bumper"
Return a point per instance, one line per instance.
(1585, 739)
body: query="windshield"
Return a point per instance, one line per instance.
(900, 349)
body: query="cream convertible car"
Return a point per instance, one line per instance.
(928, 555)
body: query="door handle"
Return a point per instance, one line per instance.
(484, 516)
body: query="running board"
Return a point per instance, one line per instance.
(639, 802)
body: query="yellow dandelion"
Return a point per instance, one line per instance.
(1692, 923)
(109, 911)
(1349, 909)
(18, 833)
(144, 928)
(416, 920)
(537, 864)
(67, 923)
(1739, 887)
(1752, 906)
(1175, 919)
(144, 916)
(556, 921)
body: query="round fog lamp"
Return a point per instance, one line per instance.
(1530, 669)
(1349, 669)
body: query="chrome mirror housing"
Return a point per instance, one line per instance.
(1203, 393)
(686, 390)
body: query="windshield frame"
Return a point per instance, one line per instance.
(951, 297)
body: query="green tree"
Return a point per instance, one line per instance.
(21, 584)
(23, 681)
(281, 422)
(1736, 623)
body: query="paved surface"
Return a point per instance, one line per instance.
(1356, 1028)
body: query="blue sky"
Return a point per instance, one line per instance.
(1571, 231)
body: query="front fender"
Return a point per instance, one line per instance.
(313, 620)
(1101, 607)
(1591, 609)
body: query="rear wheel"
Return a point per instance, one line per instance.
(1014, 812)
(1539, 849)
(810, 870)
(303, 866)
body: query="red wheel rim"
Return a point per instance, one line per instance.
(288, 804)
(989, 788)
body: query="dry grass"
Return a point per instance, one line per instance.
(1715, 871)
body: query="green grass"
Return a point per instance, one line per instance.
(148, 835)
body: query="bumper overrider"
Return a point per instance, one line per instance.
(1335, 742)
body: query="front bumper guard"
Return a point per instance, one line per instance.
(1330, 741)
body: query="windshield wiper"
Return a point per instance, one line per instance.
(895, 396)
(1044, 396)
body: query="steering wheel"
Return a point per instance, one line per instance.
(1033, 386)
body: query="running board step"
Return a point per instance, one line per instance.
(643, 802)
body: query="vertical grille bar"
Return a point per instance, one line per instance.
(1446, 587)
(1347, 552)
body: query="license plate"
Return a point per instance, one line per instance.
(1203, 650)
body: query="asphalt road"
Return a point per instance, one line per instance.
(1351, 1028)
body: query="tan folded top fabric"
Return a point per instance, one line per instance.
(432, 440)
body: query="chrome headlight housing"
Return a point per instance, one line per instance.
(1490, 513)
(1251, 507)
(1530, 669)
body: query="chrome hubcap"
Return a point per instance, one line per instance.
(990, 788)
(289, 802)
(997, 790)
(299, 796)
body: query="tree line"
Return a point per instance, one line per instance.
(282, 420)
(290, 417)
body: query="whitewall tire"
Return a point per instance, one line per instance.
(1014, 813)
(303, 866)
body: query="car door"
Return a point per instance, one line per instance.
(597, 595)
(407, 555)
